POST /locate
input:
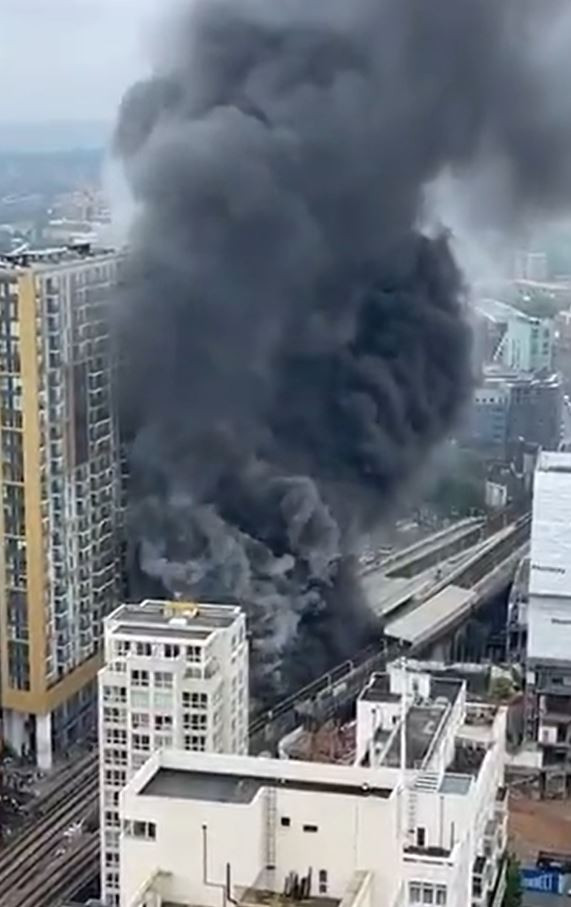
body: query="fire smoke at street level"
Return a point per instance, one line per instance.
(296, 344)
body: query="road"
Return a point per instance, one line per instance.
(541, 899)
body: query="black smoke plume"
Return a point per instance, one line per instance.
(295, 344)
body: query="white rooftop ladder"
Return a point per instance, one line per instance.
(271, 827)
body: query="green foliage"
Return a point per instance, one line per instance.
(501, 689)
(513, 895)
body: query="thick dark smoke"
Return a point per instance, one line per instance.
(295, 345)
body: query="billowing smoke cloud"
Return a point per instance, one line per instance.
(295, 345)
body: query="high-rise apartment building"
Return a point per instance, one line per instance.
(175, 675)
(59, 552)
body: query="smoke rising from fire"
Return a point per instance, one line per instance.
(295, 344)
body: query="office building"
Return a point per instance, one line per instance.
(59, 557)
(523, 343)
(489, 418)
(535, 412)
(510, 408)
(175, 675)
(421, 819)
(549, 622)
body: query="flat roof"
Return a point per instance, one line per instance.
(220, 787)
(178, 617)
(501, 312)
(145, 629)
(431, 616)
(455, 784)
(379, 689)
(554, 461)
(422, 724)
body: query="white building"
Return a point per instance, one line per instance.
(423, 821)
(549, 620)
(175, 675)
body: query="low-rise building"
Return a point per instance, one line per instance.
(175, 675)
(419, 819)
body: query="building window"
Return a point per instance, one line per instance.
(441, 895)
(138, 829)
(111, 798)
(116, 736)
(194, 722)
(163, 680)
(115, 757)
(162, 722)
(171, 651)
(195, 701)
(310, 828)
(112, 819)
(140, 678)
(144, 649)
(114, 694)
(195, 742)
(112, 879)
(322, 881)
(139, 720)
(420, 836)
(285, 821)
(428, 894)
(115, 777)
(142, 742)
(194, 654)
(414, 892)
(122, 647)
(114, 716)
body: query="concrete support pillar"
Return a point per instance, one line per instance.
(15, 731)
(44, 741)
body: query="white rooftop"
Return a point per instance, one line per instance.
(156, 618)
(178, 774)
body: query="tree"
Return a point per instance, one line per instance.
(501, 689)
(513, 894)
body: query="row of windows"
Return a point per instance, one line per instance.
(162, 681)
(138, 829)
(425, 893)
(124, 647)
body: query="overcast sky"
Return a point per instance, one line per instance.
(69, 59)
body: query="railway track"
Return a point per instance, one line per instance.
(37, 848)
(61, 878)
(72, 774)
